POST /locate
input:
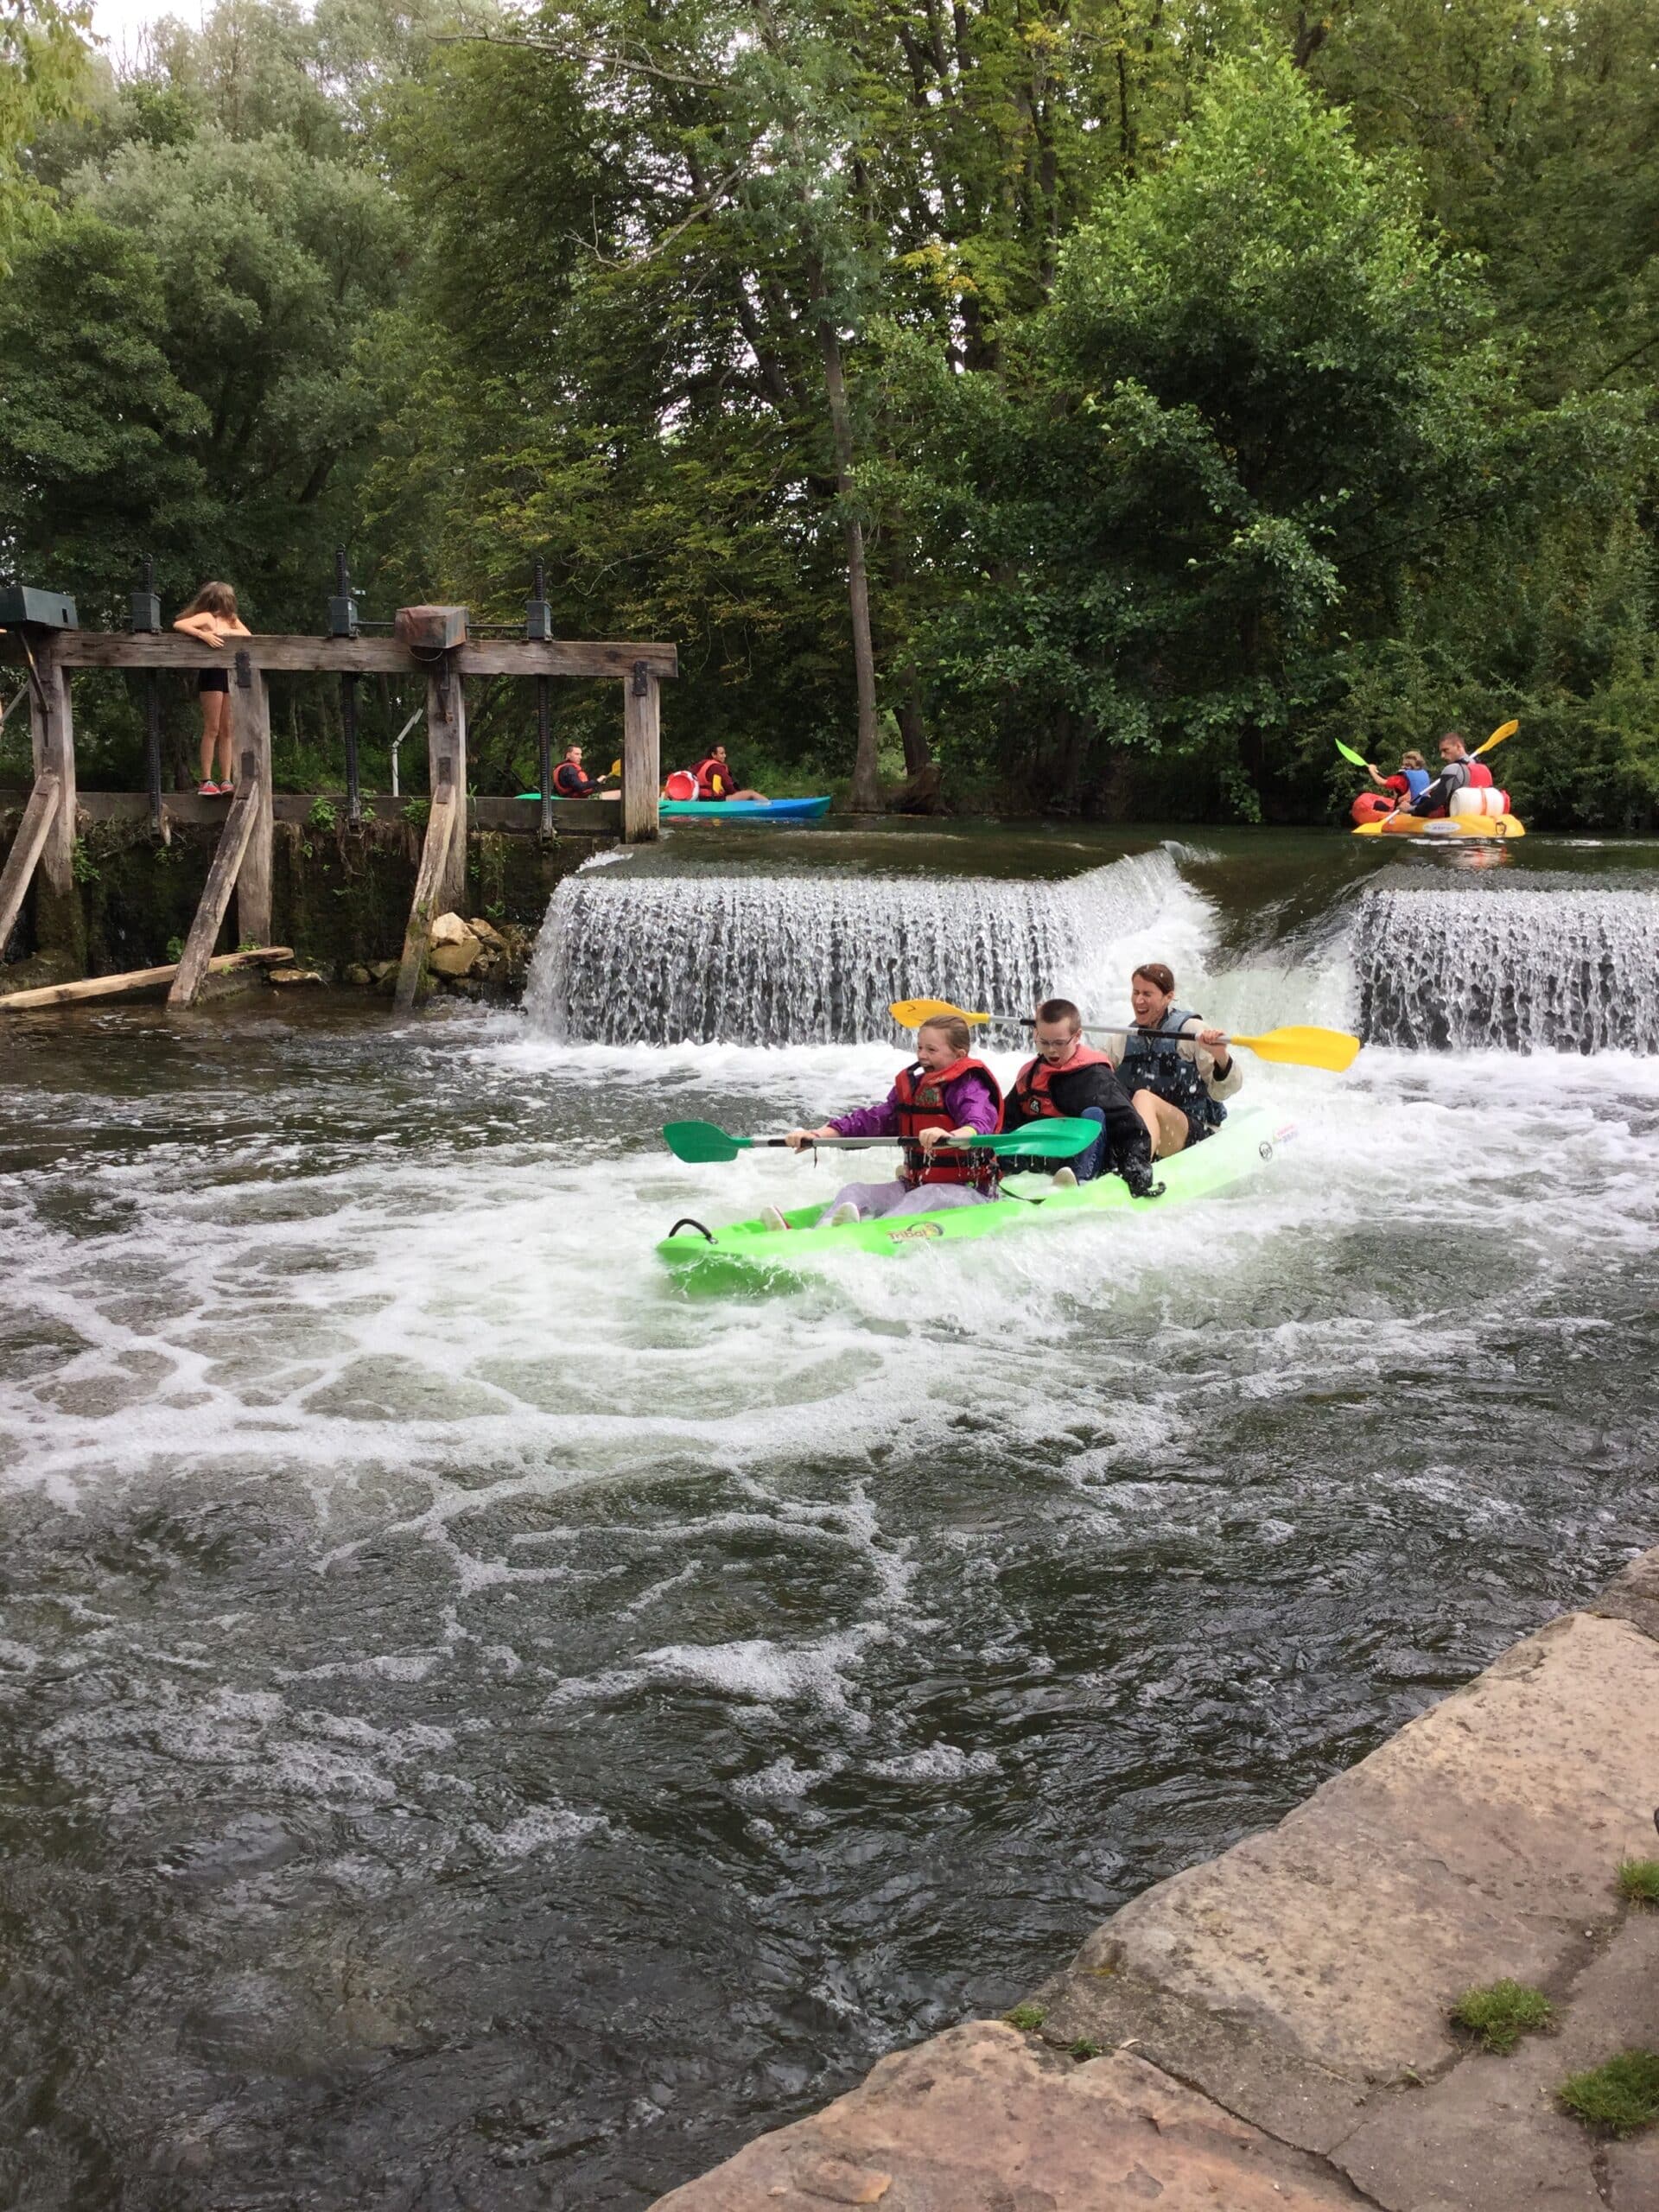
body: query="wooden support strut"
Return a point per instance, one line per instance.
(642, 752)
(27, 847)
(427, 902)
(251, 721)
(234, 840)
(136, 982)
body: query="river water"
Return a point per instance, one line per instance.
(482, 1730)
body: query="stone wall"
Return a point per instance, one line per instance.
(340, 891)
(1274, 2029)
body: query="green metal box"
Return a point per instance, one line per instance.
(48, 610)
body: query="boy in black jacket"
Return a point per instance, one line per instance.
(1068, 1077)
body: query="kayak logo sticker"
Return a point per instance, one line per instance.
(1265, 1149)
(919, 1232)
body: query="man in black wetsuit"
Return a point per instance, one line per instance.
(1070, 1077)
(1457, 768)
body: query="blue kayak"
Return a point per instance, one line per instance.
(734, 809)
(746, 810)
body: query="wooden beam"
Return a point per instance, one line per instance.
(250, 721)
(52, 732)
(427, 905)
(281, 654)
(137, 980)
(575, 657)
(26, 850)
(642, 756)
(445, 755)
(233, 841)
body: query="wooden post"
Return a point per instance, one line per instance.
(52, 730)
(250, 721)
(642, 749)
(233, 841)
(445, 826)
(446, 742)
(32, 833)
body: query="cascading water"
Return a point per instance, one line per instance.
(1523, 970)
(817, 959)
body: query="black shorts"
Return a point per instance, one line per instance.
(212, 679)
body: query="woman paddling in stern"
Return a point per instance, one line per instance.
(1177, 1073)
(944, 1095)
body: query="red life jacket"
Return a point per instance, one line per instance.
(714, 779)
(1031, 1085)
(571, 782)
(921, 1106)
(1480, 776)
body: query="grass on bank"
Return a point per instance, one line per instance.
(1502, 2012)
(1621, 2096)
(1638, 1880)
(1026, 2018)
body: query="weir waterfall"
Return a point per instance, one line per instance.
(814, 959)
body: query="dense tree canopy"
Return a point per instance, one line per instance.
(1114, 403)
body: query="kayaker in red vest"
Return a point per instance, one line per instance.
(943, 1096)
(717, 780)
(571, 780)
(1069, 1076)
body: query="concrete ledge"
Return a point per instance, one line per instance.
(1274, 2023)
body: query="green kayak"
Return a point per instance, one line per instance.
(747, 1255)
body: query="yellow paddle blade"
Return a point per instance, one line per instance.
(910, 1013)
(1305, 1048)
(616, 767)
(1504, 730)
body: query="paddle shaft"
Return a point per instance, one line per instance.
(846, 1144)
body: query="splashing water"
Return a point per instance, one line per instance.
(1523, 970)
(817, 958)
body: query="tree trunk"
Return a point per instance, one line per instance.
(911, 727)
(867, 790)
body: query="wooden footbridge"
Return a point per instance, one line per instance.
(41, 637)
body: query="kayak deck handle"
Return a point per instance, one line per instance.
(686, 1221)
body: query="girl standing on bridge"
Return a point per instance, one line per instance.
(212, 616)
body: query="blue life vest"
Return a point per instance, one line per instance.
(1150, 1065)
(1419, 778)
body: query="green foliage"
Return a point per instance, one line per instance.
(1621, 2096)
(321, 814)
(1638, 1880)
(82, 866)
(1026, 2018)
(43, 68)
(1502, 2012)
(1196, 380)
(419, 812)
(175, 950)
(1085, 2047)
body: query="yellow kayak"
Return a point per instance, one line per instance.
(1453, 826)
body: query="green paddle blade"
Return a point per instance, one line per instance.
(1349, 754)
(700, 1140)
(1049, 1139)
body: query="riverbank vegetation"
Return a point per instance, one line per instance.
(1102, 408)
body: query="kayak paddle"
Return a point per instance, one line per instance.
(1349, 754)
(1301, 1046)
(911, 1013)
(1060, 1139)
(1504, 730)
